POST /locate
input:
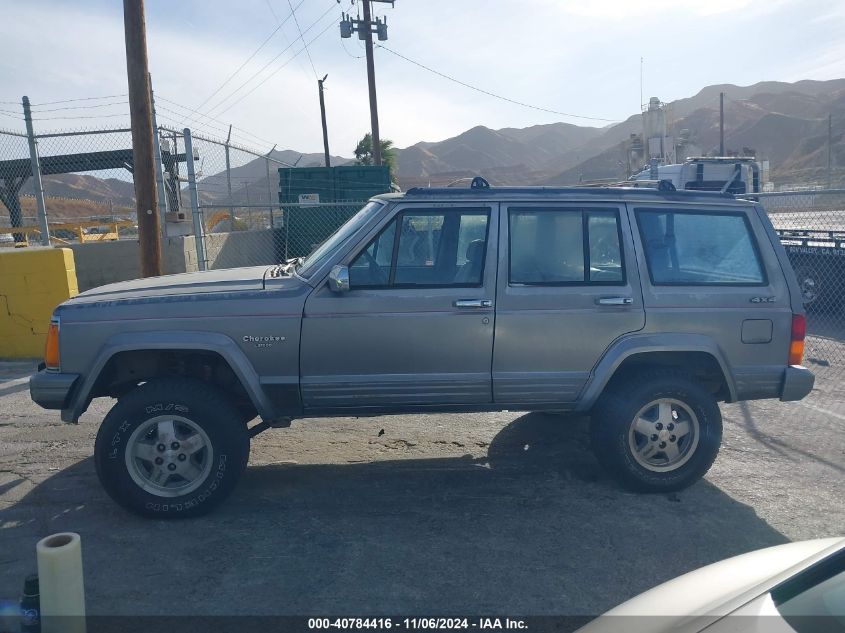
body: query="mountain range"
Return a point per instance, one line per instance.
(785, 123)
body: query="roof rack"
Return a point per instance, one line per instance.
(660, 185)
(480, 187)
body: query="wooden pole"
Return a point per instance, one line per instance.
(327, 158)
(371, 82)
(141, 114)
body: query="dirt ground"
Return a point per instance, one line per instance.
(503, 513)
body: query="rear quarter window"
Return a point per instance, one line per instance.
(699, 248)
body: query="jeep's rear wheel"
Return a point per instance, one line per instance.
(171, 448)
(657, 432)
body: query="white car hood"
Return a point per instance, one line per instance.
(699, 598)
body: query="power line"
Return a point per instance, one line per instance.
(38, 105)
(86, 107)
(272, 10)
(268, 77)
(248, 59)
(493, 94)
(182, 117)
(167, 122)
(178, 120)
(263, 68)
(343, 45)
(267, 65)
(93, 116)
(242, 132)
(298, 28)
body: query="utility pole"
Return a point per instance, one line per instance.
(143, 161)
(721, 124)
(325, 128)
(371, 83)
(37, 185)
(365, 29)
(641, 84)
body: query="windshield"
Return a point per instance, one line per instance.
(815, 600)
(319, 255)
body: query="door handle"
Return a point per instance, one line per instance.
(473, 303)
(614, 301)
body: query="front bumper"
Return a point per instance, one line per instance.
(51, 389)
(797, 382)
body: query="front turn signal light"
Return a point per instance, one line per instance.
(51, 349)
(796, 343)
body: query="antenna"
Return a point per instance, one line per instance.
(641, 83)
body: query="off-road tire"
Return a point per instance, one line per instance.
(616, 411)
(189, 399)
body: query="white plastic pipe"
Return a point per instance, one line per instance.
(60, 583)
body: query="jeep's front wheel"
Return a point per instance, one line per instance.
(171, 448)
(657, 432)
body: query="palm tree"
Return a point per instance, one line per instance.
(364, 152)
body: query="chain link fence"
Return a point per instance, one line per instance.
(221, 195)
(86, 180)
(229, 195)
(811, 225)
(14, 150)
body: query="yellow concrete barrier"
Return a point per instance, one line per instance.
(33, 282)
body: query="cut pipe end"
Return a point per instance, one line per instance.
(58, 541)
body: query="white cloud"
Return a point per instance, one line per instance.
(651, 10)
(571, 56)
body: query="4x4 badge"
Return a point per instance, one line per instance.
(762, 299)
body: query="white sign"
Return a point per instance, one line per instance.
(309, 198)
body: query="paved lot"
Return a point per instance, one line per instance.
(485, 513)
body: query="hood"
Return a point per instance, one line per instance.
(697, 599)
(229, 280)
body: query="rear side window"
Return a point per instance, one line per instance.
(687, 248)
(556, 247)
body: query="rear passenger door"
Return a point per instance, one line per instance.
(568, 286)
(710, 269)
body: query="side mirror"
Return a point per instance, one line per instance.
(339, 279)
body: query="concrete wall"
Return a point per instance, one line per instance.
(33, 281)
(243, 248)
(100, 263)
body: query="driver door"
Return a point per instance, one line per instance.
(415, 329)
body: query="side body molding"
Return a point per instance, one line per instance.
(631, 344)
(171, 340)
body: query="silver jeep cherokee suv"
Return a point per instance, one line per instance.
(642, 307)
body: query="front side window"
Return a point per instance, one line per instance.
(425, 248)
(372, 266)
(338, 238)
(554, 246)
(699, 248)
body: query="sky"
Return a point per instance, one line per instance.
(570, 56)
